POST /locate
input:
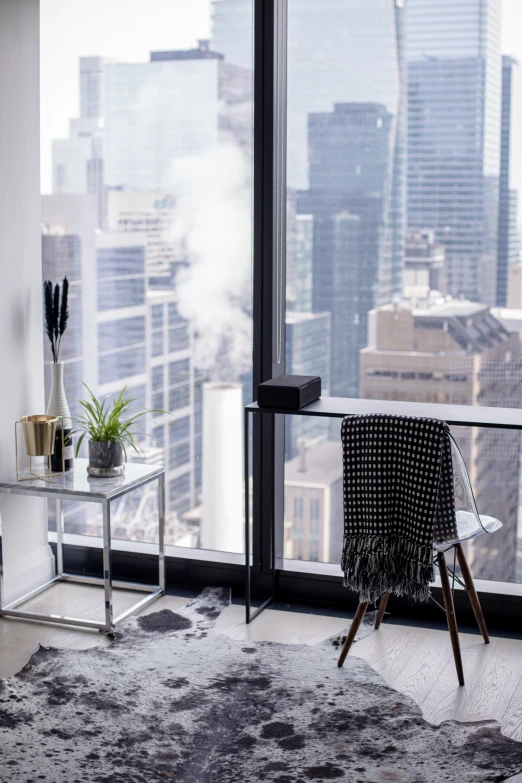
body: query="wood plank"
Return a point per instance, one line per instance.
(447, 698)
(511, 723)
(282, 627)
(390, 649)
(20, 639)
(424, 667)
(495, 687)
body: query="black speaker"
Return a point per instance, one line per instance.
(289, 392)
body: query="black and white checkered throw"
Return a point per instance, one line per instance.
(398, 501)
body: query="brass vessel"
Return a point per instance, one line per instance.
(39, 434)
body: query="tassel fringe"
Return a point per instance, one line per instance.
(373, 565)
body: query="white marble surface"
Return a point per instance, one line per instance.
(78, 483)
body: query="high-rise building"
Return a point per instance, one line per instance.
(77, 162)
(121, 314)
(92, 72)
(299, 257)
(230, 20)
(457, 352)
(152, 213)
(454, 105)
(144, 344)
(181, 104)
(314, 503)
(508, 239)
(514, 287)
(424, 266)
(307, 353)
(351, 173)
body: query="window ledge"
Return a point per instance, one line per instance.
(145, 548)
(331, 569)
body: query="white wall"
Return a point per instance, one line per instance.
(26, 556)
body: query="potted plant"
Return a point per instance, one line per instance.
(111, 429)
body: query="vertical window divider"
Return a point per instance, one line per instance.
(269, 284)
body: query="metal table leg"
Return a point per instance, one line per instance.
(59, 537)
(246, 439)
(107, 565)
(250, 616)
(161, 532)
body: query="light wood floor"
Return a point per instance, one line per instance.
(415, 661)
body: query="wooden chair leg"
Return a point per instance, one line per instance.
(472, 593)
(382, 608)
(450, 615)
(357, 620)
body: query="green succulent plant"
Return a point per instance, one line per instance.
(113, 423)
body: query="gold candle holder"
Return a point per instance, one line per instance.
(39, 434)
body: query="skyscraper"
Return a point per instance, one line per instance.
(508, 240)
(154, 214)
(299, 257)
(178, 106)
(92, 71)
(144, 344)
(352, 151)
(454, 102)
(308, 338)
(78, 160)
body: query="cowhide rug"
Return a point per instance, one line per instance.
(170, 700)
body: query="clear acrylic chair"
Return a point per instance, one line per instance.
(470, 524)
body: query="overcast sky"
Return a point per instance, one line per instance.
(129, 29)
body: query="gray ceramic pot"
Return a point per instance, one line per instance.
(105, 459)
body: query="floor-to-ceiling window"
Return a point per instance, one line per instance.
(146, 147)
(403, 255)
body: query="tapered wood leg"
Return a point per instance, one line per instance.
(450, 615)
(357, 620)
(382, 608)
(472, 593)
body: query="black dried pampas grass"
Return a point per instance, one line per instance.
(56, 313)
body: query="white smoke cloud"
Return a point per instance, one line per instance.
(213, 220)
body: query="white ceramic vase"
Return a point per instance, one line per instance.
(57, 406)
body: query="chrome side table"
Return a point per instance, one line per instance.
(78, 485)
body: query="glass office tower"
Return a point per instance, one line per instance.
(508, 240)
(454, 108)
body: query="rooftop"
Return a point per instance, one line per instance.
(323, 462)
(202, 52)
(454, 308)
(297, 316)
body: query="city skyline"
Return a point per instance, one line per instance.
(67, 34)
